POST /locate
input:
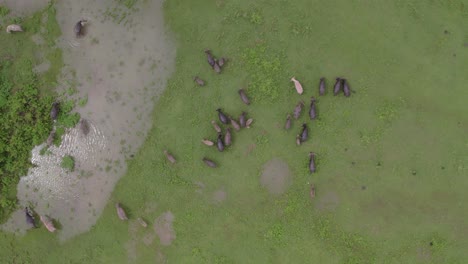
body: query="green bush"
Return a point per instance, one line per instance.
(68, 163)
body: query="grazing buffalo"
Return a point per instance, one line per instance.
(169, 157)
(47, 223)
(13, 28)
(30, 219)
(221, 62)
(244, 97)
(312, 191)
(228, 137)
(249, 122)
(84, 126)
(54, 111)
(222, 117)
(207, 142)
(216, 67)
(120, 212)
(298, 140)
(216, 127)
(219, 143)
(242, 119)
(322, 86)
(142, 222)
(312, 162)
(287, 126)
(298, 110)
(304, 133)
(235, 124)
(312, 111)
(346, 90)
(210, 58)
(79, 28)
(209, 163)
(297, 85)
(337, 87)
(199, 81)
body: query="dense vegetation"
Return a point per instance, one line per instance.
(26, 97)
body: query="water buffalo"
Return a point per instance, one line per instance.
(216, 67)
(209, 163)
(337, 87)
(169, 157)
(235, 124)
(322, 86)
(297, 85)
(312, 191)
(13, 28)
(249, 122)
(228, 137)
(84, 126)
(346, 90)
(120, 212)
(287, 126)
(199, 81)
(220, 143)
(298, 110)
(222, 117)
(312, 162)
(207, 142)
(47, 223)
(216, 127)
(221, 62)
(312, 111)
(304, 133)
(298, 140)
(242, 119)
(244, 97)
(79, 28)
(30, 219)
(210, 58)
(142, 222)
(55, 111)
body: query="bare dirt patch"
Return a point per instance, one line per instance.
(328, 202)
(276, 176)
(163, 228)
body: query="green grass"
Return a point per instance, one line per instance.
(68, 163)
(402, 135)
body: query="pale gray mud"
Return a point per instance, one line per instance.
(276, 176)
(122, 66)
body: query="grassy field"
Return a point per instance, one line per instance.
(392, 158)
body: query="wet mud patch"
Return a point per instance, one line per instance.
(164, 229)
(105, 67)
(276, 176)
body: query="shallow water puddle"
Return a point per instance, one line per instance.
(121, 68)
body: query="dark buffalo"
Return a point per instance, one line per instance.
(209, 163)
(312, 162)
(221, 62)
(84, 126)
(312, 111)
(79, 28)
(312, 191)
(222, 117)
(298, 140)
(248, 122)
(244, 97)
(337, 87)
(242, 119)
(346, 90)
(228, 137)
(55, 111)
(235, 124)
(210, 58)
(304, 133)
(322, 86)
(288, 122)
(199, 81)
(30, 219)
(219, 143)
(298, 109)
